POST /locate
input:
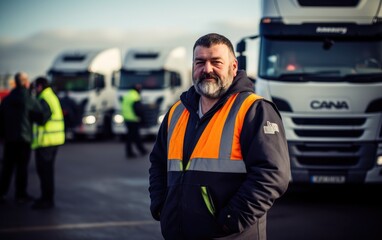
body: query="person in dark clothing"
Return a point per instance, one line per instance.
(71, 113)
(221, 157)
(18, 111)
(132, 111)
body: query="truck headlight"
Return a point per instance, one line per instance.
(89, 119)
(379, 154)
(379, 161)
(160, 118)
(118, 119)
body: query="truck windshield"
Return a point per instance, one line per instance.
(77, 82)
(148, 79)
(320, 60)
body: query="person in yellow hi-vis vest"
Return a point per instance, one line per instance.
(221, 156)
(46, 139)
(132, 109)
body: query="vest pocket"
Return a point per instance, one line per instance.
(208, 199)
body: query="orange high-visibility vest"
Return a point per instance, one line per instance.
(218, 148)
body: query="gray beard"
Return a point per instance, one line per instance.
(212, 90)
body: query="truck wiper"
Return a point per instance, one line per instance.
(363, 78)
(331, 76)
(303, 77)
(293, 77)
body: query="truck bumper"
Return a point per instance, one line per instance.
(337, 177)
(335, 162)
(120, 129)
(374, 175)
(89, 130)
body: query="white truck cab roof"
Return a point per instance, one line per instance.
(87, 60)
(154, 58)
(305, 11)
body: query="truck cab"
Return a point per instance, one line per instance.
(320, 62)
(84, 83)
(163, 74)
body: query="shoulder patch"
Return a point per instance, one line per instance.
(271, 128)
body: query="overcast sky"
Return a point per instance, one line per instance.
(22, 18)
(34, 32)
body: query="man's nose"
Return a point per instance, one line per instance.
(207, 67)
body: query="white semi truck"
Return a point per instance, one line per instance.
(86, 77)
(163, 73)
(320, 63)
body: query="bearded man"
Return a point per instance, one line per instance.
(221, 157)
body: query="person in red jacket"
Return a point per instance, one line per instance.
(221, 157)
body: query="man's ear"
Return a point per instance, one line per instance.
(235, 67)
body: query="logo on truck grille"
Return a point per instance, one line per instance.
(329, 105)
(340, 30)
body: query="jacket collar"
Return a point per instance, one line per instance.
(241, 83)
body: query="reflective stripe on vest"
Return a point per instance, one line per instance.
(218, 148)
(53, 132)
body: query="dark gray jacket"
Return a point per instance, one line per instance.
(18, 111)
(241, 200)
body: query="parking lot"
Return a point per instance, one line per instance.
(103, 195)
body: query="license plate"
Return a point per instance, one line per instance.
(327, 179)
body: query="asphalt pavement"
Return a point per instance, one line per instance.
(101, 195)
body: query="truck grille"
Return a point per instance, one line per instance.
(328, 161)
(349, 148)
(329, 121)
(329, 133)
(332, 154)
(335, 154)
(329, 127)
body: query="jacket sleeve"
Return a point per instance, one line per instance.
(265, 153)
(158, 172)
(41, 112)
(139, 110)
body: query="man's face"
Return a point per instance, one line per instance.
(213, 70)
(25, 80)
(39, 88)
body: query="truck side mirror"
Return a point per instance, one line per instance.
(115, 78)
(240, 47)
(241, 59)
(175, 80)
(99, 82)
(242, 62)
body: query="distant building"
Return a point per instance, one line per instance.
(6, 84)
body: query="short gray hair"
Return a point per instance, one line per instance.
(214, 39)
